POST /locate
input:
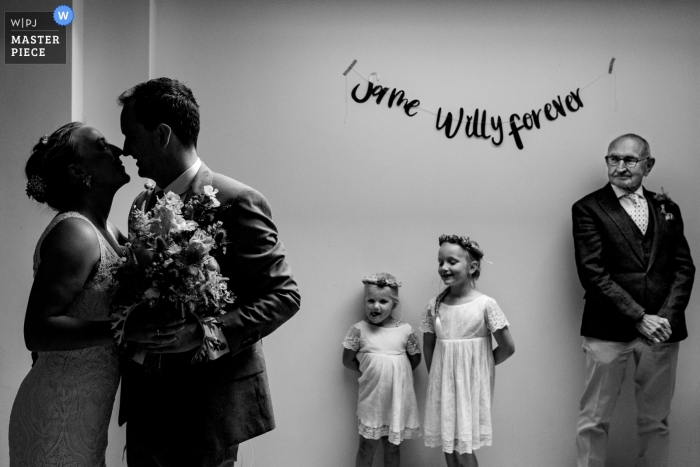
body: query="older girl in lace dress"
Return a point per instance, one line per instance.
(63, 407)
(458, 324)
(385, 353)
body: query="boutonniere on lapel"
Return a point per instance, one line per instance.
(664, 201)
(170, 266)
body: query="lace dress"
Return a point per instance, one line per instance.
(63, 407)
(387, 402)
(461, 381)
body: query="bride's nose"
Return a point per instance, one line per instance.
(116, 150)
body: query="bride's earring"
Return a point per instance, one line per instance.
(86, 180)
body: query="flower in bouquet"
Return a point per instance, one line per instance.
(201, 209)
(167, 219)
(171, 256)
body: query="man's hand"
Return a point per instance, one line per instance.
(654, 328)
(189, 337)
(147, 327)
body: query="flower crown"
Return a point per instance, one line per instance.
(36, 188)
(464, 242)
(381, 282)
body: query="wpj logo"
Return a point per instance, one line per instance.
(37, 37)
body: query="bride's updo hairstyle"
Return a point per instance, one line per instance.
(48, 180)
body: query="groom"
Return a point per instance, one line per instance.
(197, 414)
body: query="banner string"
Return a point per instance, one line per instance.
(594, 81)
(351, 67)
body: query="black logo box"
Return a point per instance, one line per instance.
(34, 38)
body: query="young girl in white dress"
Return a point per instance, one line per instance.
(457, 326)
(385, 352)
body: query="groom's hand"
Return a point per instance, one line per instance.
(189, 337)
(145, 327)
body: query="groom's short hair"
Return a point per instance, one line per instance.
(165, 100)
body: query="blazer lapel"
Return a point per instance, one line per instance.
(203, 178)
(611, 205)
(659, 226)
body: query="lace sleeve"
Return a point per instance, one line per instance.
(495, 319)
(412, 345)
(427, 320)
(352, 339)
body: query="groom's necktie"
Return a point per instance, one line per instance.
(639, 215)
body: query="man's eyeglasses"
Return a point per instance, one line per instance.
(630, 161)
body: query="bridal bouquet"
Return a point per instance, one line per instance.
(169, 257)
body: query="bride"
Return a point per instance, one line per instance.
(62, 410)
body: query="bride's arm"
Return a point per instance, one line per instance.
(68, 255)
(121, 239)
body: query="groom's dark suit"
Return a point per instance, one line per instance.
(626, 273)
(212, 406)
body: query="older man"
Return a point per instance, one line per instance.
(635, 265)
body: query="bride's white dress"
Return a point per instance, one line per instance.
(63, 408)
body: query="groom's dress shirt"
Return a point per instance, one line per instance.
(181, 184)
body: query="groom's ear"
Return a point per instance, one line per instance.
(164, 133)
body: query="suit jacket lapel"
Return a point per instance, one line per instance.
(611, 205)
(659, 226)
(204, 177)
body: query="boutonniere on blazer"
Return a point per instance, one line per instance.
(665, 200)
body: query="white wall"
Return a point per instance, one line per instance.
(375, 193)
(34, 99)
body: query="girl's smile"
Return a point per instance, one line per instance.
(454, 265)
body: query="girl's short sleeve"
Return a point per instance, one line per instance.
(495, 319)
(412, 345)
(352, 339)
(427, 320)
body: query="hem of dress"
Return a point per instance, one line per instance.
(395, 437)
(462, 447)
